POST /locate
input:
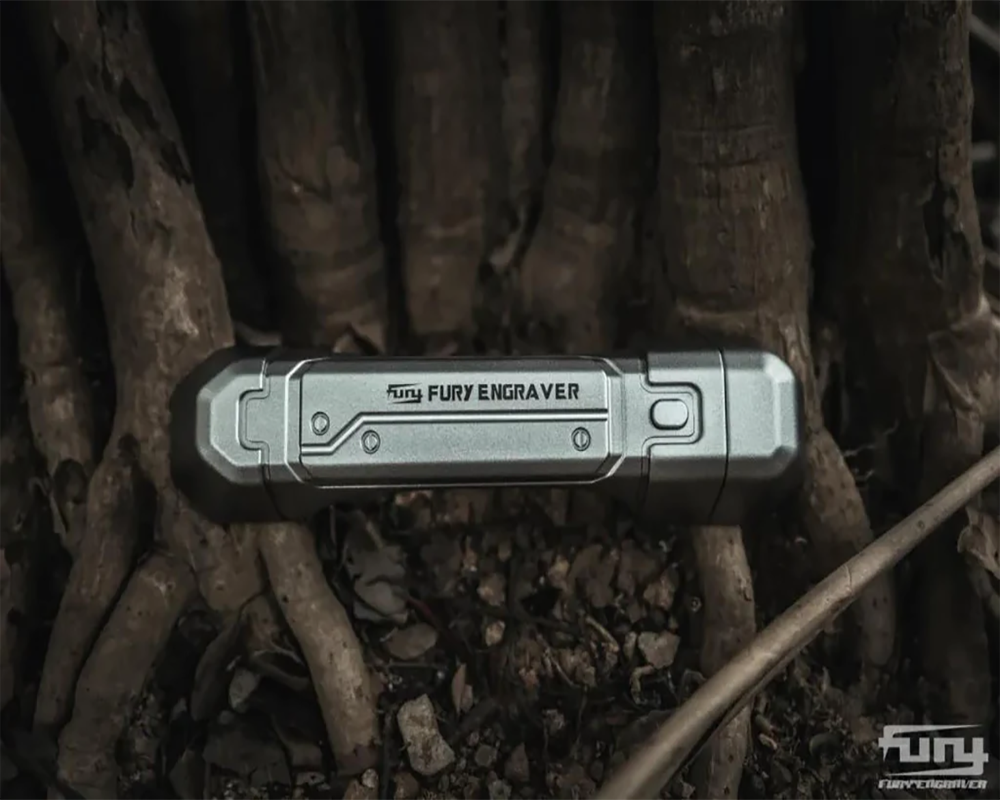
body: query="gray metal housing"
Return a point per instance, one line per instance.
(700, 436)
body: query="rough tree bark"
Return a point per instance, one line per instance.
(446, 117)
(165, 304)
(736, 245)
(196, 48)
(317, 167)
(573, 268)
(37, 267)
(523, 109)
(165, 307)
(911, 261)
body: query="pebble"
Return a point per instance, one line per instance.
(659, 649)
(410, 643)
(517, 769)
(486, 756)
(493, 632)
(661, 592)
(499, 790)
(366, 788)
(242, 685)
(492, 590)
(407, 786)
(427, 750)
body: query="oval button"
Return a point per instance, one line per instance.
(670, 415)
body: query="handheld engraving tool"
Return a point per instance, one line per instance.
(694, 436)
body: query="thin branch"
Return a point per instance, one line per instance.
(731, 688)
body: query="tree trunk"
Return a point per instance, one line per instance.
(196, 48)
(911, 260)
(524, 105)
(735, 234)
(576, 263)
(317, 172)
(447, 124)
(165, 306)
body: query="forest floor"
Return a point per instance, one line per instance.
(519, 654)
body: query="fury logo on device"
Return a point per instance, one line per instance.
(404, 393)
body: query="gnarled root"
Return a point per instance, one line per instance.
(317, 172)
(117, 670)
(729, 625)
(106, 556)
(743, 271)
(910, 250)
(165, 305)
(574, 265)
(59, 401)
(331, 648)
(447, 85)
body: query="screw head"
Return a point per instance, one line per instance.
(320, 423)
(370, 442)
(581, 439)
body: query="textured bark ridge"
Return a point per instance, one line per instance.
(575, 266)
(911, 263)
(447, 125)
(524, 97)
(196, 47)
(317, 172)
(38, 272)
(734, 227)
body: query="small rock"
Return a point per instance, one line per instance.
(628, 648)
(554, 721)
(593, 571)
(659, 649)
(410, 643)
(461, 693)
(517, 769)
(635, 569)
(557, 573)
(635, 611)
(493, 590)
(309, 778)
(243, 684)
(485, 756)
(498, 790)
(427, 750)
(493, 632)
(407, 786)
(661, 592)
(365, 788)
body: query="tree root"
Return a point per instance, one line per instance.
(103, 564)
(329, 644)
(60, 405)
(736, 150)
(165, 305)
(912, 262)
(575, 262)
(447, 109)
(318, 172)
(523, 110)
(198, 58)
(116, 672)
(729, 625)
